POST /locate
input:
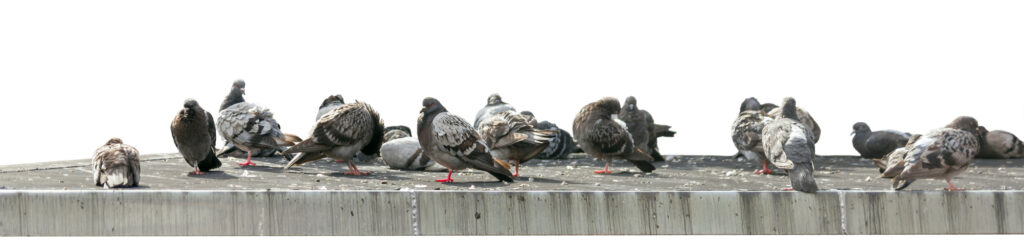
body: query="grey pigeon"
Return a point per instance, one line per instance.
(560, 146)
(250, 127)
(600, 133)
(876, 144)
(405, 154)
(195, 135)
(330, 103)
(788, 145)
(494, 106)
(998, 144)
(643, 129)
(940, 154)
(453, 142)
(512, 139)
(746, 134)
(116, 164)
(804, 117)
(341, 133)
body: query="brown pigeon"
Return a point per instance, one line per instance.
(600, 133)
(195, 135)
(340, 134)
(116, 164)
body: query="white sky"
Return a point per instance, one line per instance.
(76, 73)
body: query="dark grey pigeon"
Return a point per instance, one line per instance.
(116, 164)
(195, 135)
(452, 142)
(876, 144)
(250, 127)
(560, 146)
(788, 145)
(999, 144)
(641, 126)
(600, 133)
(340, 134)
(494, 106)
(940, 154)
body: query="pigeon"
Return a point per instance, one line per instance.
(116, 164)
(641, 126)
(874, 145)
(600, 133)
(250, 127)
(396, 132)
(751, 104)
(512, 139)
(341, 133)
(746, 134)
(998, 144)
(788, 145)
(559, 146)
(494, 106)
(804, 118)
(940, 154)
(405, 154)
(330, 103)
(452, 142)
(195, 135)
(895, 160)
(532, 120)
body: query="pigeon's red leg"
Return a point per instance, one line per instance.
(196, 172)
(248, 161)
(352, 170)
(951, 187)
(605, 171)
(517, 170)
(764, 168)
(449, 179)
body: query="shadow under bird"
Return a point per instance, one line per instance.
(875, 145)
(746, 133)
(940, 154)
(998, 144)
(600, 133)
(494, 106)
(452, 142)
(512, 139)
(116, 164)
(250, 127)
(340, 134)
(788, 145)
(641, 126)
(195, 135)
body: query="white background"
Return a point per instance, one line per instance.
(76, 73)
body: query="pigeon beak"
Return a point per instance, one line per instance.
(243, 90)
(853, 132)
(423, 109)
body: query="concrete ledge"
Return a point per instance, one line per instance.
(225, 213)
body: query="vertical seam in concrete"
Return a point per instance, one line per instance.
(21, 214)
(415, 213)
(842, 211)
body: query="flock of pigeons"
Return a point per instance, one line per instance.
(502, 137)
(786, 136)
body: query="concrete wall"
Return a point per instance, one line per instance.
(114, 213)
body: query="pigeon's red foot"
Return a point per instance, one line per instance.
(356, 173)
(953, 189)
(516, 175)
(787, 189)
(197, 172)
(448, 180)
(763, 171)
(602, 171)
(249, 163)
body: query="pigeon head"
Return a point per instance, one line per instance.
(630, 104)
(392, 133)
(750, 104)
(860, 127)
(239, 86)
(432, 106)
(333, 99)
(114, 140)
(982, 132)
(789, 108)
(607, 106)
(528, 115)
(768, 107)
(191, 107)
(494, 99)
(965, 123)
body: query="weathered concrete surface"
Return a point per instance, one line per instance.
(680, 173)
(219, 213)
